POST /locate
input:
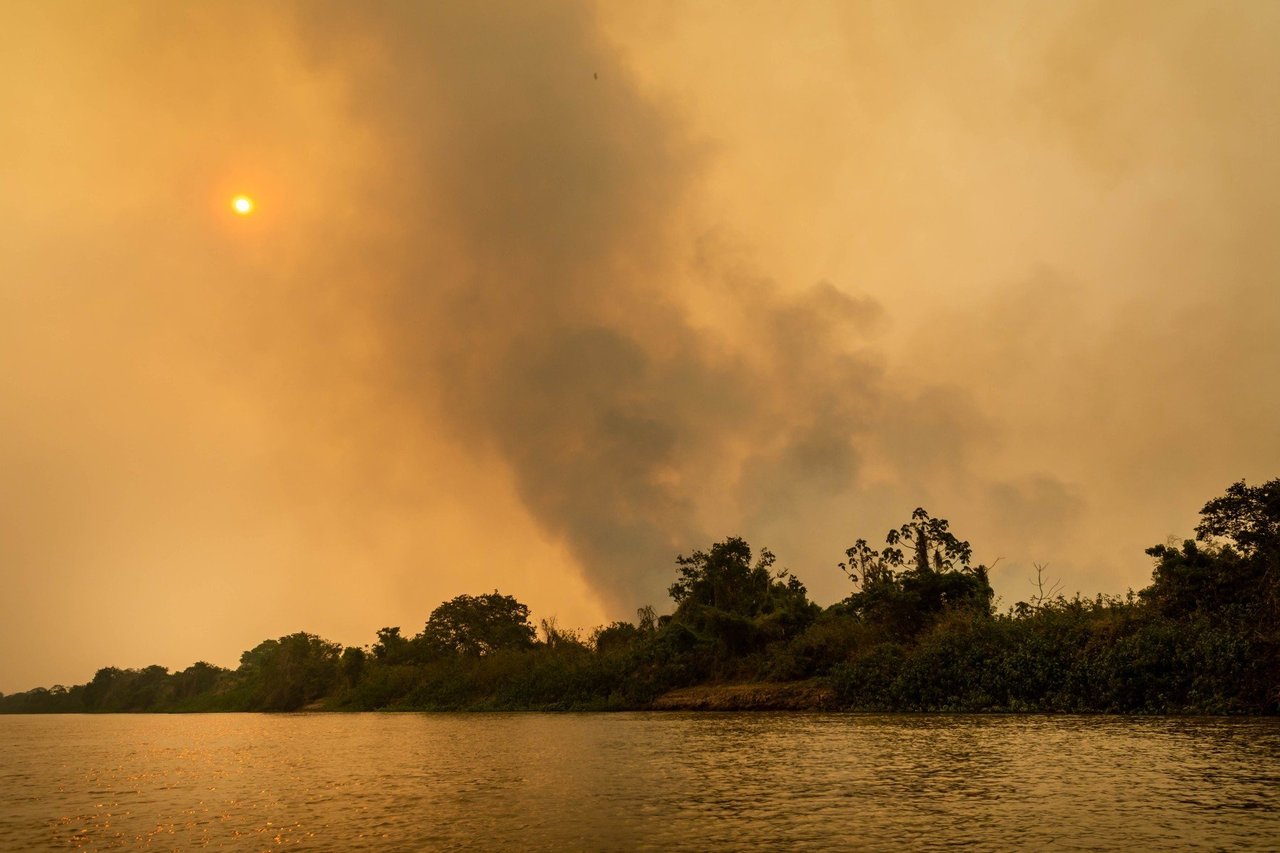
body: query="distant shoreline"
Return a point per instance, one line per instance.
(918, 633)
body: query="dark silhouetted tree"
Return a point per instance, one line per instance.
(726, 579)
(353, 660)
(1248, 516)
(1238, 579)
(903, 593)
(391, 646)
(200, 677)
(478, 625)
(288, 673)
(931, 544)
(735, 606)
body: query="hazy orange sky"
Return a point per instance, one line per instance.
(538, 295)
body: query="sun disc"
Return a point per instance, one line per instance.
(242, 205)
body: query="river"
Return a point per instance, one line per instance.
(655, 781)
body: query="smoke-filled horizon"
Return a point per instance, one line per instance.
(536, 298)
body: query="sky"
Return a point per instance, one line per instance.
(536, 297)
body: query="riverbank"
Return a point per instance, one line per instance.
(813, 694)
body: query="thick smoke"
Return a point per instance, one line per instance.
(650, 387)
(540, 295)
(644, 391)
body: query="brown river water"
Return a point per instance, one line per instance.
(655, 781)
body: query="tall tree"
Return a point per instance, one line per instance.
(1249, 516)
(937, 575)
(286, 674)
(479, 624)
(934, 547)
(1240, 578)
(726, 579)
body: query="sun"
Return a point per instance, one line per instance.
(242, 205)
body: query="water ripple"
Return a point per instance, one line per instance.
(637, 782)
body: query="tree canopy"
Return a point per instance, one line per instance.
(903, 595)
(478, 625)
(725, 578)
(1248, 516)
(918, 632)
(1235, 573)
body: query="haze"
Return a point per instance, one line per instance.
(536, 296)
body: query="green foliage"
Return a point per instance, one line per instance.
(57, 699)
(1248, 516)
(918, 633)
(289, 673)
(391, 647)
(867, 681)
(724, 578)
(902, 602)
(1205, 579)
(479, 625)
(932, 545)
(353, 660)
(198, 679)
(834, 636)
(731, 612)
(1236, 582)
(616, 637)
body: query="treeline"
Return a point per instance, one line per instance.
(919, 632)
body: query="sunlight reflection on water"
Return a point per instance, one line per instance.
(637, 781)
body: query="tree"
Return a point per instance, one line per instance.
(148, 689)
(98, 692)
(863, 564)
(479, 625)
(285, 674)
(1249, 516)
(391, 646)
(616, 636)
(933, 546)
(737, 605)
(555, 637)
(724, 578)
(200, 677)
(937, 576)
(353, 659)
(1240, 578)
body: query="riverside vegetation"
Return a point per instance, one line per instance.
(919, 632)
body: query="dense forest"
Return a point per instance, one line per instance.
(918, 632)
